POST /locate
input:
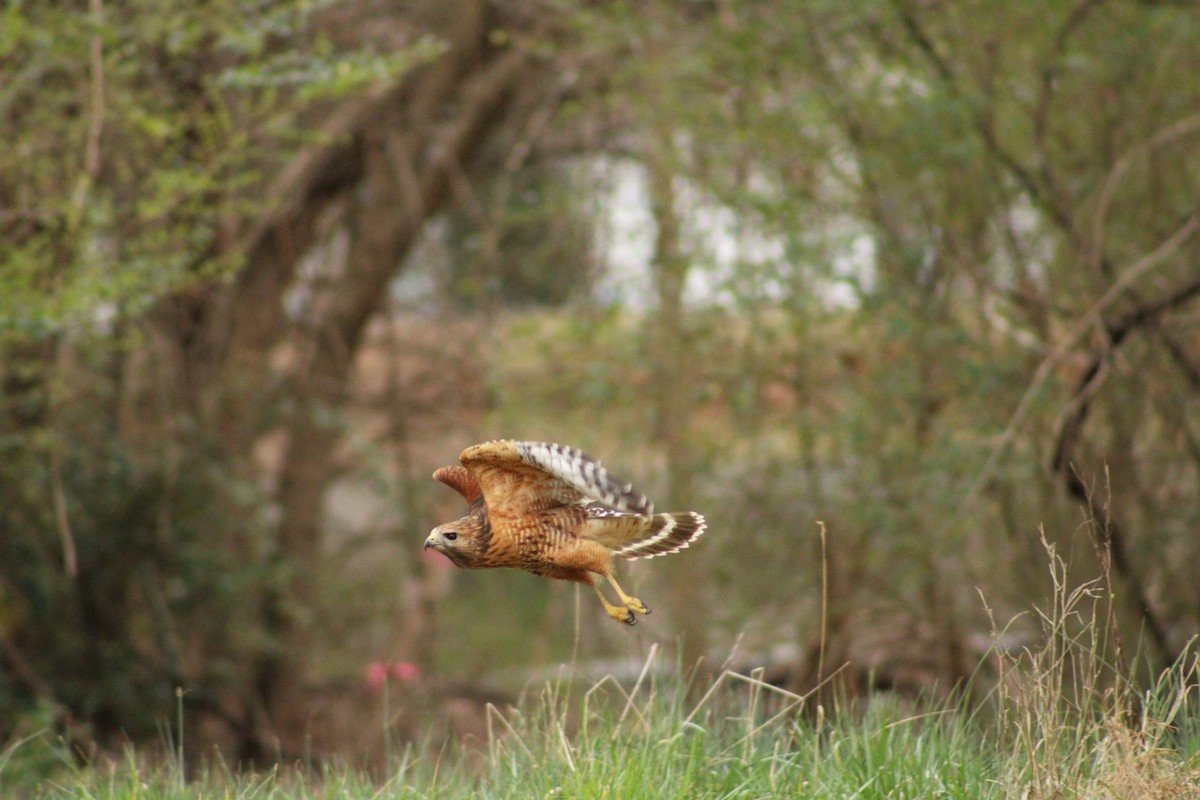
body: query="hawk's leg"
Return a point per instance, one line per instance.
(618, 613)
(632, 603)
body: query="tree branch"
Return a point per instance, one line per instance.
(982, 125)
(1088, 321)
(1164, 137)
(91, 150)
(1070, 432)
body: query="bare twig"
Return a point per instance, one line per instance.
(637, 684)
(91, 152)
(824, 604)
(70, 562)
(1164, 137)
(96, 122)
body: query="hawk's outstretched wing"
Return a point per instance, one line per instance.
(520, 477)
(557, 512)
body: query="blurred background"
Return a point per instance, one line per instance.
(925, 272)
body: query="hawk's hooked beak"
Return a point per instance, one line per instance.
(429, 541)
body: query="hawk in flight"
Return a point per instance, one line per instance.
(556, 512)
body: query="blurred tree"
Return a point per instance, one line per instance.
(182, 164)
(1021, 184)
(522, 239)
(907, 260)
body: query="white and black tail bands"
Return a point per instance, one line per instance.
(668, 533)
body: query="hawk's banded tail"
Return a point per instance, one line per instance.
(646, 537)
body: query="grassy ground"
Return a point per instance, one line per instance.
(743, 739)
(1058, 722)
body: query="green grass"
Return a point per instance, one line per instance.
(1061, 721)
(744, 739)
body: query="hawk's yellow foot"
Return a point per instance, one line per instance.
(618, 613)
(632, 603)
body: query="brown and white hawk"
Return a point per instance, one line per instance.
(556, 512)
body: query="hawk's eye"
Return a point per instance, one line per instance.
(451, 536)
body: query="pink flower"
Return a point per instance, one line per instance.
(378, 672)
(405, 671)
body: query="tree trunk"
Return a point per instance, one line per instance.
(672, 390)
(386, 166)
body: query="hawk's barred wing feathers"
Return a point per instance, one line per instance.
(555, 511)
(580, 471)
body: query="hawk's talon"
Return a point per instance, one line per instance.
(630, 619)
(633, 604)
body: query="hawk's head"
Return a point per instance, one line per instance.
(463, 541)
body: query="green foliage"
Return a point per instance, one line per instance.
(136, 137)
(134, 556)
(144, 582)
(911, 231)
(531, 248)
(325, 74)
